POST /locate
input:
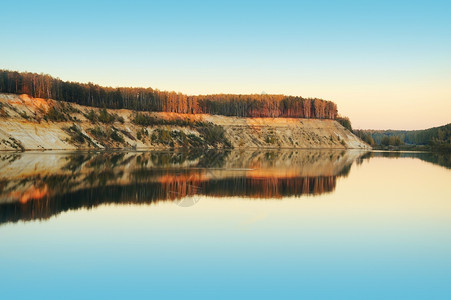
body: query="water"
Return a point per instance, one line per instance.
(274, 224)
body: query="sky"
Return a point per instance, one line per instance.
(387, 64)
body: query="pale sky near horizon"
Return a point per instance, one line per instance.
(387, 64)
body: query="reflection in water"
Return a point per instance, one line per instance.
(380, 233)
(38, 186)
(441, 159)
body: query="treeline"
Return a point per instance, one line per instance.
(438, 137)
(148, 99)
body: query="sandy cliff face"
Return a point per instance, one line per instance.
(286, 133)
(24, 125)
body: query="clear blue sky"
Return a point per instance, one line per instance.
(375, 59)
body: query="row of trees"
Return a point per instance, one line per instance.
(431, 136)
(148, 99)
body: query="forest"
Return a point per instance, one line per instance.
(436, 137)
(148, 99)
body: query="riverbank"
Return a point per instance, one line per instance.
(40, 124)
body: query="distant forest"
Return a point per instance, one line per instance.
(148, 99)
(437, 136)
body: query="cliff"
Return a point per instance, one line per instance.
(34, 123)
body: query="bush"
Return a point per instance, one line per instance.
(55, 115)
(76, 135)
(103, 135)
(91, 116)
(214, 135)
(345, 122)
(145, 120)
(270, 139)
(24, 115)
(164, 136)
(116, 137)
(195, 141)
(106, 117)
(98, 132)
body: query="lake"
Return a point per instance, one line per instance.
(219, 225)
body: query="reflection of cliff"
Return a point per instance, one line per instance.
(42, 185)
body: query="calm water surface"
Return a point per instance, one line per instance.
(273, 224)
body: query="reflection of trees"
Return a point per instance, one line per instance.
(177, 187)
(270, 187)
(90, 179)
(436, 158)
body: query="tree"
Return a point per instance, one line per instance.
(345, 122)
(147, 99)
